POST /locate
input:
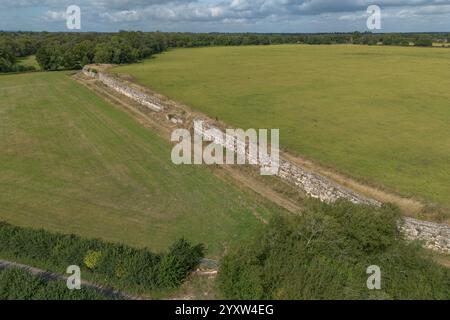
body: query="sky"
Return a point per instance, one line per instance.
(296, 16)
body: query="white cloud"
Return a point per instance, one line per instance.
(248, 10)
(204, 13)
(55, 16)
(424, 11)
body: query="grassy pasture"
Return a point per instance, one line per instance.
(29, 61)
(380, 114)
(72, 163)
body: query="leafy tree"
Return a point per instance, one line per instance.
(50, 57)
(424, 43)
(5, 65)
(104, 53)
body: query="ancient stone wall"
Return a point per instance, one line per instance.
(435, 236)
(311, 183)
(123, 88)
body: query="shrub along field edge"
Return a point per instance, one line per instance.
(136, 270)
(326, 254)
(16, 284)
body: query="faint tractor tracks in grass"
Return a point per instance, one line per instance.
(115, 209)
(163, 128)
(98, 118)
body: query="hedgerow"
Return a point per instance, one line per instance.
(113, 264)
(325, 253)
(16, 284)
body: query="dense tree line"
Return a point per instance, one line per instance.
(115, 265)
(16, 284)
(8, 60)
(57, 51)
(325, 253)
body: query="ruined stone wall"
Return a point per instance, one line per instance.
(435, 236)
(311, 183)
(123, 88)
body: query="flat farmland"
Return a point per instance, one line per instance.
(71, 162)
(378, 114)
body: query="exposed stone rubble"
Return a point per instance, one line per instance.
(319, 187)
(311, 183)
(174, 119)
(119, 86)
(436, 236)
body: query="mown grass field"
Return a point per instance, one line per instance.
(71, 162)
(380, 114)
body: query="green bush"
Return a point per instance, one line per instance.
(170, 271)
(324, 254)
(424, 43)
(92, 259)
(113, 264)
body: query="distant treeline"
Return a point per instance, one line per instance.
(57, 51)
(115, 265)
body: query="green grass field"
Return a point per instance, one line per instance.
(71, 162)
(29, 61)
(380, 114)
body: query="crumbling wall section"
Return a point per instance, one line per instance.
(125, 89)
